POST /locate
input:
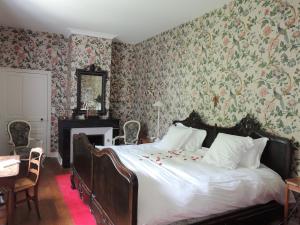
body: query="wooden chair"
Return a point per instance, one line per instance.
(19, 138)
(131, 133)
(31, 181)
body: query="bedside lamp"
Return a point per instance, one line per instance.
(158, 105)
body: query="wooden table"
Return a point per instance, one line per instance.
(292, 184)
(7, 179)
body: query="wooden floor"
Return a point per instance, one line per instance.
(52, 207)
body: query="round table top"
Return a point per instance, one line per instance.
(12, 170)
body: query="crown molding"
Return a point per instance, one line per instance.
(90, 33)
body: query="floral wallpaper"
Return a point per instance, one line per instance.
(25, 49)
(86, 50)
(122, 82)
(242, 58)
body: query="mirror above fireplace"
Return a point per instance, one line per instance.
(91, 88)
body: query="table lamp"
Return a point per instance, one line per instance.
(158, 104)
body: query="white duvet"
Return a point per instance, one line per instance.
(176, 185)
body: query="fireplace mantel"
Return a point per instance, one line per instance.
(64, 132)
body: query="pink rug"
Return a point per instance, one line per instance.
(79, 211)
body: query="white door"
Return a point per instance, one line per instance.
(25, 95)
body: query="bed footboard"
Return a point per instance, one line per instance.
(114, 190)
(104, 183)
(81, 168)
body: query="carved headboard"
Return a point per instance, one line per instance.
(277, 153)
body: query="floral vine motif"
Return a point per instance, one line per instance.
(259, 41)
(216, 100)
(271, 51)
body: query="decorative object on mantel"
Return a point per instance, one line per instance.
(80, 116)
(91, 90)
(158, 105)
(91, 113)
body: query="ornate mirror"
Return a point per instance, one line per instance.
(91, 86)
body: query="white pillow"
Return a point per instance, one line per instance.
(251, 159)
(175, 138)
(195, 140)
(227, 150)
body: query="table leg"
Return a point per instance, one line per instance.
(286, 204)
(10, 207)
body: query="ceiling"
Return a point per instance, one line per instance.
(130, 21)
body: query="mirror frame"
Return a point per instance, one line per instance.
(91, 70)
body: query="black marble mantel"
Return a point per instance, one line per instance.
(64, 131)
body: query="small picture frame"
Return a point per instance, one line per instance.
(91, 113)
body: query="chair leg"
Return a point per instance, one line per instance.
(28, 199)
(36, 202)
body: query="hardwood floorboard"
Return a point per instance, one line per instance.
(52, 207)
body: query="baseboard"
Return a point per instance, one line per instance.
(52, 154)
(59, 159)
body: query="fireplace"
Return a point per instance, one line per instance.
(97, 136)
(96, 139)
(65, 126)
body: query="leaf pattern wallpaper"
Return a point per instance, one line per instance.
(242, 58)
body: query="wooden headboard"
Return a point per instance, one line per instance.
(277, 153)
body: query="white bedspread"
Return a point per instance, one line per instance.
(177, 185)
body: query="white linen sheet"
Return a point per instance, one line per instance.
(176, 185)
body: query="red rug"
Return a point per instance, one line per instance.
(79, 211)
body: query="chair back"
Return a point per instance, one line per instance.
(34, 164)
(19, 133)
(131, 131)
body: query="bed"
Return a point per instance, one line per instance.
(111, 189)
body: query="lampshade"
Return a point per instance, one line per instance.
(158, 104)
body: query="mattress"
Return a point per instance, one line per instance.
(176, 185)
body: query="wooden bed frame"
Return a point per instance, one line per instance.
(111, 189)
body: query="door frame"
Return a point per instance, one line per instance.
(49, 83)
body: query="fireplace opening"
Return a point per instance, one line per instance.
(96, 139)
(97, 136)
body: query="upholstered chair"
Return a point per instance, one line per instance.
(131, 131)
(19, 138)
(31, 181)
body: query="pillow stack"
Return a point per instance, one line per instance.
(251, 159)
(231, 151)
(182, 137)
(175, 138)
(227, 151)
(195, 140)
